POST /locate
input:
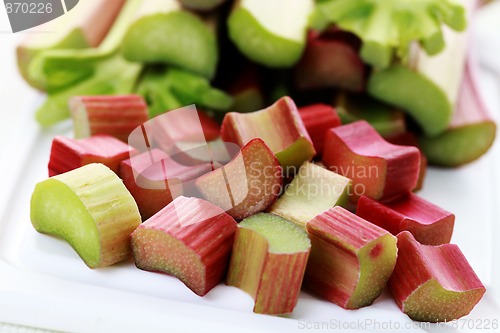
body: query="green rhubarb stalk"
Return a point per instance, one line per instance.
(388, 27)
(272, 33)
(471, 132)
(83, 27)
(169, 35)
(57, 69)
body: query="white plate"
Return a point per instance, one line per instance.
(44, 284)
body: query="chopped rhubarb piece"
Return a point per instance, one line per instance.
(247, 185)
(279, 126)
(190, 239)
(84, 27)
(428, 223)
(181, 125)
(472, 129)
(378, 169)
(268, 262)
(351, 259)
(68, 154)
(409, 139)
(265, 36)
(313, 191)
(91, 209)
(433, 283)
(117, 116)
(318, 118)
(331, 60)
(154, 179)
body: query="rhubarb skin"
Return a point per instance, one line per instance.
(410, 139)
(433, 283)
(117, 116)
(378, 169)
(68, 154)
(281, 128)
(268, 261)
(428, 223)
(154, 179)
(91, 209)
(313, 191)
(181, 125)
(247, 185)
(318, 118)
(331, 60)
(190, 239)
(351, 259)
(471, 132)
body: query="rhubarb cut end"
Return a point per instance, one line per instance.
(267, 247)
(82, 236)
(160, 252)
(313, 191)
(433, 283)
(91, 209)
(376, 261)
(433, 303)
(190, 239)
(282, 235)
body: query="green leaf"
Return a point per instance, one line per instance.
(387, 27)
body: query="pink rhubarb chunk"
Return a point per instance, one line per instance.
(68, 154)
(247, 185)
(279, 126)
(190, 239)
(318, 118)
(117, 116)
(433, 283)
(351, 259)
(378, 169)
(428, 223)
(154, 179)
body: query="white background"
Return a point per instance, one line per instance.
(471, 192)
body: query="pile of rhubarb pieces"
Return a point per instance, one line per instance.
(403, 66)
(271, 201)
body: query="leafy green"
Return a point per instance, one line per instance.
(167, 89)
(389, 26)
